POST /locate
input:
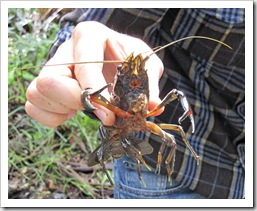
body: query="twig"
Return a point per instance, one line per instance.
(71, 173)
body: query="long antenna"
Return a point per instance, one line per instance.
(70, 63)
(120, 61)
(186, 38)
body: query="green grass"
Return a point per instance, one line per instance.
(45, 162)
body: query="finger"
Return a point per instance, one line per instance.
(62, 62)
(57, 83)
(62, 90)
(154, 69)
(40, 101)
(45, 117)
(90, 75)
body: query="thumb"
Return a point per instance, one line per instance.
(154, 99)
(154, 68)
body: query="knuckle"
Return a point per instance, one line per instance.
(82, 28)
(44, 84)
(31, 92)
(28, 108)
(55, 122)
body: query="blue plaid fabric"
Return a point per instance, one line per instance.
(228, 15)
(212, 77)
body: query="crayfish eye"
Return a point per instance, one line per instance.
(124, 68)
(119, 67)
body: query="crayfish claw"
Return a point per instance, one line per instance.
(85, 100)
(85, 95)
(183, 117)
(186, 107)
(192, 122)
(197, 160)
(190, 115)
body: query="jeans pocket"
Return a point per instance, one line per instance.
(128, 185)
(128, 192)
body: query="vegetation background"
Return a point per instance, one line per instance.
(45, 162)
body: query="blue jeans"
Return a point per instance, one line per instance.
(128, 185)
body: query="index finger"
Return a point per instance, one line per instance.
(62, 62)
(57, 82)
(89, 40)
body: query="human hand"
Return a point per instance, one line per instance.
(54, 96)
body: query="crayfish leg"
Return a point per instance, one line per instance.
(100, 153)
(166, 138)
(183, 135)
(137, 153)
(139, 172)
(137, 162)
(172, 95)
(100, 157)
(171, 158)
(87, 97)
(106, 172)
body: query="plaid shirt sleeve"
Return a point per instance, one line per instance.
(212, 77)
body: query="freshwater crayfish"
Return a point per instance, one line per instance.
(129, 102)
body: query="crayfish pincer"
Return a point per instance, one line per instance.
(129, 102)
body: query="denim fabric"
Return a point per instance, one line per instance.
(128, 185)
